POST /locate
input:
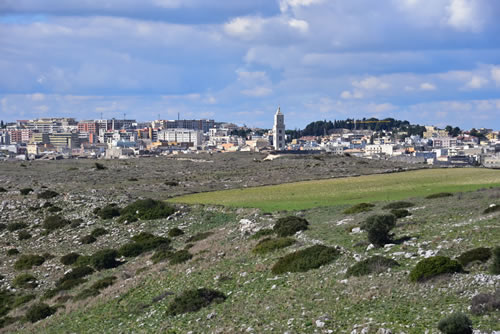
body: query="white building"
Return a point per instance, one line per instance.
(279, 131)
(194, 137)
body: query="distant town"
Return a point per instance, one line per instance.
(61, 138)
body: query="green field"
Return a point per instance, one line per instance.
(351, 190)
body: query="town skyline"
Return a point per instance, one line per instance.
(237, 61)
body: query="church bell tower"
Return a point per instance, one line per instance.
(279, 131)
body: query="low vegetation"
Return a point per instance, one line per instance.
(95, 289)
(23, 235)
(439, 195)
(378, 228)
(25, 281)
(69, 258)
(28, 261)
(194, 300)
(88, 239)
(99, 231)
(457, 323)
(141, 243)
(270, 245)
(39, 311)
(400, 213)
(373, 265)
(481, 254)
(16, 226)
(108, 212)
(175, 232)
(398, 205)
(304, 260)
(262, 233)
(287, 226)
(52, 223)
(47, 194)
(104, 259)
(495, 265)
(358, 208)
(25, 191)
(484, 303)
(199, 236)
(434, 266)
(492, 208)
(148, 209)
(180, 256)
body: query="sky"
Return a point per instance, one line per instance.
(431, 62)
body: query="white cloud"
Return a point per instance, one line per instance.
(347, 95)
(37, 97)
(286, 4)
(371, 83)
(427, 86)
(257, 92)
(464, 15)
(300, 25)
(495, 74)
(244, 27)
(476, 82)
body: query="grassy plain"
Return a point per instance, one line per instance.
(350, 190)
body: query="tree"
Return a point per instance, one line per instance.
(1, 124)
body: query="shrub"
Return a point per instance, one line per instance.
(199, 236)
(38, 312)
(434, 266)
(99, 166)
(52, 223)
(27, 261)
(400, 213)
(25, 191)
(484, 303)
(398, 205)
(12, 251)
(175, 232)
(481, 254)
(104, 259)
(69, 258)
(161, 255)
(262, 233)
(290, 225)
(16, 226)
(3, 190)
(23, 235)
(372, 265)
(127, 218)
(131, 249)
(108, 212)
(75, 273)
(492, 208)
(148, 209)
(87, 240)
(97, 232)
(96, 288)
(171, 183)
(361, 207)
(133, 179)
(25, 281)
(6, 300)
(306, 259)
(21, 300)
(47, 194)
(194, 300)
(439, 195)
(180, 256)
(83, 260)
(269, 245)
(143, 242)
(54, 209)
(457, 323)
(2, 226)
(495, 266)
(76, 223)
(378, 228)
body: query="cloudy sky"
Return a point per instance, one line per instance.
(428, 61)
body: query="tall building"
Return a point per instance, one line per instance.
(279, 131)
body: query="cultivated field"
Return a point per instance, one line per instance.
(370, 188)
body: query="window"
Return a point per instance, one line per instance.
(279, 131)
(280, 138)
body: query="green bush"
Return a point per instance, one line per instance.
(2, 226)
(175, 232)
(99, 166)
(483, 303)
(75, 273)
(400, 213)
(27, 261)
(481, 254)
(69, 258)
(361, 207)
(373, 265)
(162, 254)
(95, 289)
(47, 194)
(493, 208)
(306, 259)
(21, 300)
(23, 235)
(290, 225)
(141, 243)
(439, 195)
(199, 236)
(97, 232)
(54, 209)
(76, 222)
(398, 205)
(12, 251)
(83, 260)
(6, 301)
(180, 256)
(52, 223)
(262, 233)
(434, 266)
(3, 190)
(16, 226)
(270, 245)
(108, 212)
(87, 240)
(378, 228)
(171, 183)
(495, 266)
(104, 259)
(194, 300)
(149, 209)
(25, 281)
(25, 191)
(39, 311)
(131, 249)
(456, 323)
(127, 218)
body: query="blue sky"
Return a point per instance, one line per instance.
(434, 62)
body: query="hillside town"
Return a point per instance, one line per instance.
(58, 138)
